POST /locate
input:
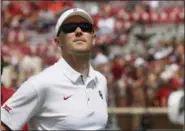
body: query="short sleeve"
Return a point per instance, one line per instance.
(22, 106)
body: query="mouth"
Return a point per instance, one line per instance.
(77, 40)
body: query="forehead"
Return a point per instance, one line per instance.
(75, 18)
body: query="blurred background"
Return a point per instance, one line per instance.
(139, 48)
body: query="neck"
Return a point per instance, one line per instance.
(79, 63)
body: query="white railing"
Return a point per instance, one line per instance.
(113, 111)
(137, 110)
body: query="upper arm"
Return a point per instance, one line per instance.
(23, 105)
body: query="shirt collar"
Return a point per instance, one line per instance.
(92, 74)
(72, 74)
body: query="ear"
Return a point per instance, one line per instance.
(57, 41)
(94, 38)
(94, 34)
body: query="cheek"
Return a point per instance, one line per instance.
(90, 39)
(69, 36)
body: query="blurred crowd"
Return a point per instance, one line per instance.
(134, 79)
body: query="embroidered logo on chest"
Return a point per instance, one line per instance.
(100, 93)
(67, 97)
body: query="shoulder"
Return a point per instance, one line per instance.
(49, 77)
(48, 73)
(101, 77)
(174, 97)
(102, 81)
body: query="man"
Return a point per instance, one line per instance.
(68, 95)
(6, 93)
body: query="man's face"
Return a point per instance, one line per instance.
(77, 42)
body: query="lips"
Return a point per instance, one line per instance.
(76, 40)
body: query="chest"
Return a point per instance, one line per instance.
(76, 107)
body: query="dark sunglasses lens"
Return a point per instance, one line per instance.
(69, 28)
(86, 27)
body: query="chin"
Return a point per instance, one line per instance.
(82, 48)
(81, 52)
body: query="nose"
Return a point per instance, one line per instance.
(78, 31)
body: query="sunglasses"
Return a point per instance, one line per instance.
(71, 27)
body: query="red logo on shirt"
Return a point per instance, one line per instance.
(7, 108)
(67, 97)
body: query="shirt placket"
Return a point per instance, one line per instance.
(89, 97)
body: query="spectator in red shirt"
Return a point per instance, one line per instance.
(163, 93)
(117, 68)
(6, 93)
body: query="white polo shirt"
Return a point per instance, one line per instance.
(59, 98)
(174, 104)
